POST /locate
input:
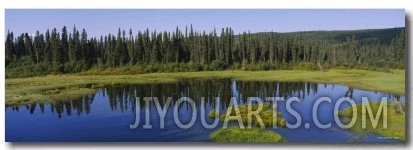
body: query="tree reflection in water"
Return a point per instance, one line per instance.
(123, 97)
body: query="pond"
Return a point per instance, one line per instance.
(106, 115)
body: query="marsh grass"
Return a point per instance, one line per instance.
(395, 120)
(254, 134)
(28, 90)
(237, 135)
(49, 95)
(213, 114)
(266, 115)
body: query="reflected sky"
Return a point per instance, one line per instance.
(106, 115)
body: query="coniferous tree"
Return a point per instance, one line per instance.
(38, 46)
(9, 47)
(64, 45)
(66, 52)
(55, 47)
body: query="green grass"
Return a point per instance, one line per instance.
(396, 118)
(27, 90)
(254, 134)
(237, 135)
(61, 87)
(265, 115)
(213, 114)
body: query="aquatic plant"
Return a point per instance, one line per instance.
(213, 114)
(265, 116)
(236, 134)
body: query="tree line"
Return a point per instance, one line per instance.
(56, 52)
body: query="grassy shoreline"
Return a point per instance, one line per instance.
(396, 120)
(54, 87)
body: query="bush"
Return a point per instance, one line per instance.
(264, 66)
(236, 66)
(305, 66)
(71, 67)
(194, 66)
(135, 70)
(151, 68)
(218, 65)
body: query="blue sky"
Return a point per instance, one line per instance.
(103, 21)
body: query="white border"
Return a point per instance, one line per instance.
(134, 4)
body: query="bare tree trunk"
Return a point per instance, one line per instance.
(319, 66)
(334, 56)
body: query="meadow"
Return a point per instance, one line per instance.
(59, 87)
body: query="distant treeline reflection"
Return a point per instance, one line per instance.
(123, 97)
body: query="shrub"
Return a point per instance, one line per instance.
(194, 66)
(218, 65)
(305, 66)
(150, 68)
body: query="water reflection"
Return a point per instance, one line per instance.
(123, 97)
(105, 116)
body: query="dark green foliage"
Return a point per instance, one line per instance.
(55, 53)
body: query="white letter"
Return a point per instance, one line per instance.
(274, 109)
(137, 113)
(216, 121)
(162, 111)
(255, 113)
(147, 124)
(353, 119)
(374, 120)
(293, 112)
(315, 118)
(176, 117)
(228, 116)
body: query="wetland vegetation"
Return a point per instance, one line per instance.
(57, 87)
(70, 70)
(396, 116)
(112, 107)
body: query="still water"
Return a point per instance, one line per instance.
(106, 115)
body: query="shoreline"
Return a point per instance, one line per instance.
(49, 88)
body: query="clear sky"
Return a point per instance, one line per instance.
(103, 21)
